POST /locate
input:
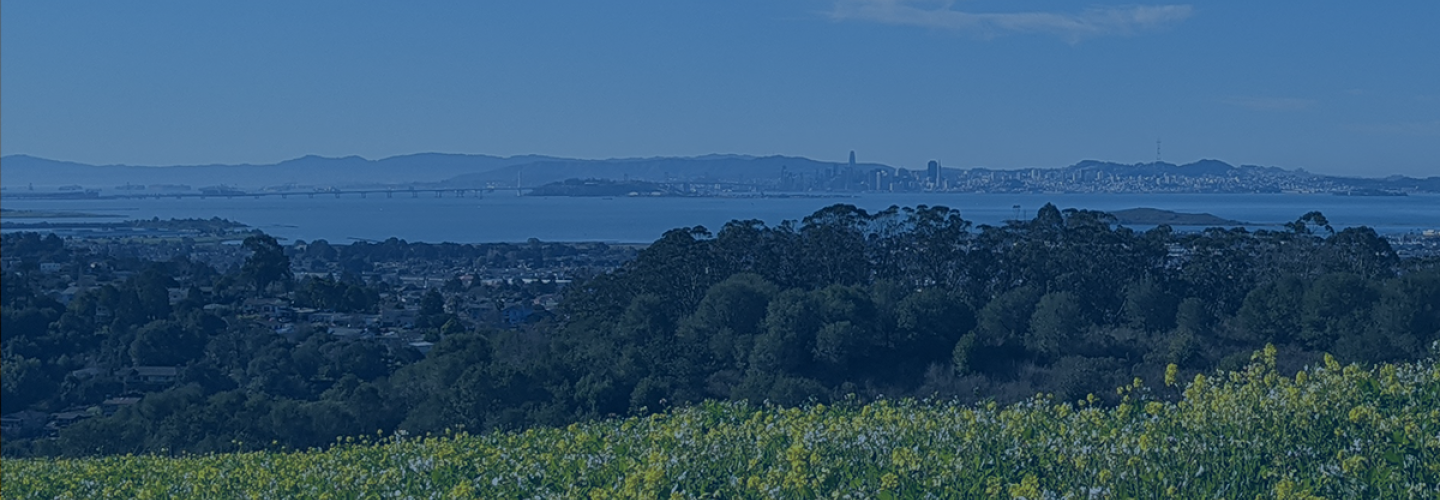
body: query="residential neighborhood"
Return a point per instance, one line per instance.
(411, 296)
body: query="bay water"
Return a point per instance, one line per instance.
(504, 217)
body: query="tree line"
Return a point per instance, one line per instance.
(903, 302)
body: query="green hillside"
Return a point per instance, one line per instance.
(1330, 431)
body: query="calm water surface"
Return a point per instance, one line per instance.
(504, 217)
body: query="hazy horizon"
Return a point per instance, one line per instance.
(1334, 89)
(859, 160)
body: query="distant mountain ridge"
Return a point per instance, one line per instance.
(737, 169)
(480, 171)
(23, 170)
(436, 169)
(1199, 168)
(1217, 168)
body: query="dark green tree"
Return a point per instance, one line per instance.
(727, 320)
(1149, 306)
(25, 382)
(267, 262)
(1271, 312)
(928, 323)
(1336, 305)
(166, 343)
(1056, 325)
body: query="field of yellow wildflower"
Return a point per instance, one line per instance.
(1331, 431)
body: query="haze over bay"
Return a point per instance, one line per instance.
(1336, 89)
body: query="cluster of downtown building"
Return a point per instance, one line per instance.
(1207, 176)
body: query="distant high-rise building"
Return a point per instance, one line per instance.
(852, 158)
(933, 173)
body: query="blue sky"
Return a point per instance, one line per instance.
(1333, 87)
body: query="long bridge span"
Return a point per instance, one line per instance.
(448, 192)
(337, 193)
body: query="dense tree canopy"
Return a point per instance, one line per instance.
(900, 302)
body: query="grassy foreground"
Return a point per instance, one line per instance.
(1331, 432)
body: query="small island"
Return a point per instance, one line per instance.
(603, 187)
(1155, 217)
(1368, 192)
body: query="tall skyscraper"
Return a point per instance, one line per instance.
(932, 172)
(852, 159)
